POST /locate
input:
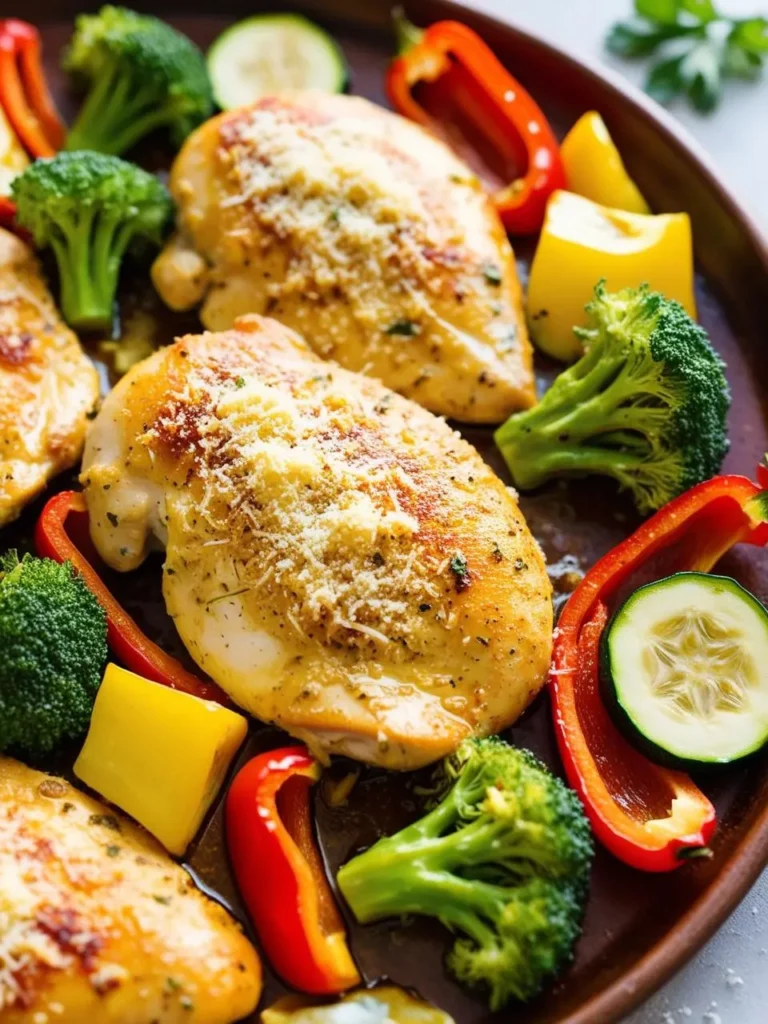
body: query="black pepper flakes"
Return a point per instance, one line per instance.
(105, 820)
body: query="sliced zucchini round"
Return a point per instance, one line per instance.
(684, 662)
(271, 52)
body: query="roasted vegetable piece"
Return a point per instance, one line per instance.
(581, 243)
(447, 79)
(648, 816)
(90, 209)
(594, 168)
(53, 639)
(502, 859)
(13, 159)
(158, 754)
(280, 872)
(142, 75)
(646, 404)
(270, 53)
(62, 534)
(384, 1004)
(24, 94)
(684, 666)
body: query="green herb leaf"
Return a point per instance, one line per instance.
(700, 73)
(460, 570)
(703, 10)
(696, 47)
(663, 11)
(750, 35)
(664, 80)
(492, 273)
(403, 328)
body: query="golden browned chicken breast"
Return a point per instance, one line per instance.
(47, 384)
(99, 926)
(361, 231)
(338, 559)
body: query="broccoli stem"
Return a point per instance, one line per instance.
(117, 112)
(81, 300)
(390, 880)
(589, 402)
(89, 249)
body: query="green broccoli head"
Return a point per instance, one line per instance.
(142, 75)
(53, 635)
(502, 859)
(90, 209)
(646, 404)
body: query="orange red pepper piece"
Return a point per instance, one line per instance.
(24, 92)
(646, 815)
(62, 534)
(448, 80)
(280, 873)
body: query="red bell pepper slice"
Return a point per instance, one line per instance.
(280, 873)
(7, 213)
(479, 109)
(24, 93)
(646, 815)
(61, 533)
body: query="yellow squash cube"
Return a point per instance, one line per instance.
(580, 244)
(158, 754)
(594, 168)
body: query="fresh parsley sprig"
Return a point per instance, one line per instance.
(694, 46)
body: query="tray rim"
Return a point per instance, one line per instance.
(750, 856)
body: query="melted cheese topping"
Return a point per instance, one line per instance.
(316, 496)
(362, 231)
(338, 559)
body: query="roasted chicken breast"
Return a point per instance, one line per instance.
(338, 559)
(363, 232)
(98, 924)
(47, 384)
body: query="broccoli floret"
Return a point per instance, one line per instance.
(90, 208)
(646, 404)
(142, 75)
(503, 860)
(53, 638)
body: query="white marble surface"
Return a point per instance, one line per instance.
(727, 983)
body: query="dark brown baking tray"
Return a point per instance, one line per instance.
(639, 928)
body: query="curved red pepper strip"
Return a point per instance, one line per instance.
(500, 110)
(280, 873)
(7, 213)
(24, 93)
(644, 814)
(67, 511)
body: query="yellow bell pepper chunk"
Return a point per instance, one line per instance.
(158, 754)
(594, 168)
(582, 243)
(13, 158)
